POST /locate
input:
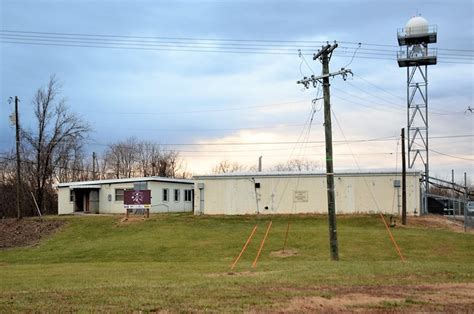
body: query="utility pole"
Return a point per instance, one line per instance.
(93, 166)
(453, 195)
(18, 160)
(324, 55)
(465, 201)
(404, 181)
(260, 164)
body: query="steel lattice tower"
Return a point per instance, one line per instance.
(416, 57)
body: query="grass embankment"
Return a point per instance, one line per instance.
(181, 263)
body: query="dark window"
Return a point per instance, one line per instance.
(165, 195)
(71, 196)
(188, 195)
(119, 195)
(176, 195)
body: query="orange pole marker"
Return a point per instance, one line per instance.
(261, 245)
(243, 248)
(393, 239)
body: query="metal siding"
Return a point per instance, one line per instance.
(104, 206)
(354, 194)
(64, 205)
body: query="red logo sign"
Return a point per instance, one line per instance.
(137, 198)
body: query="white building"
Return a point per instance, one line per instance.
(296, 192)
(106, 196)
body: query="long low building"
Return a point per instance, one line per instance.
(297, 192)
(107, 196)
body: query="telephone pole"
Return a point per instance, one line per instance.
(404, 181)
(93, 166)
(18, 161)
(324, 55)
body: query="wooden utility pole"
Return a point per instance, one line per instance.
(93, 166)
(324, 55)
(18, 161)
(453, 193)
(329, 161)
(404, 181)
(465, 202)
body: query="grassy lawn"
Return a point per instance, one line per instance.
(181, 263)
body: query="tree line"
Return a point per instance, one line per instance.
(54, 150)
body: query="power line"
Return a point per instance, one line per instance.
(379, 87)
(452, 156)
(373, 107)
(198, 40)
(188, 44)
(166, 38)
(379, 139)
(197, 50)
(283, 126)
(199, 111)
(392, 104)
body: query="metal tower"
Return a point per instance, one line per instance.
(415, 55)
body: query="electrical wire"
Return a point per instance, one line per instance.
(200, 111)
(371, 192)
(306, 62)
(352, 59)
(198, 39)
(451, 156)
(379, 87)
(360, 140)
(188, 44)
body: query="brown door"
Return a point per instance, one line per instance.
(87, 201)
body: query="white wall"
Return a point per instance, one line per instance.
(160, 206)
(354, 194)
(64, 206)
(112, 206)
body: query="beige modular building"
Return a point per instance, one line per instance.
(303, 192)
(106, 196)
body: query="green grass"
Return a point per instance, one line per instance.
(181, 263)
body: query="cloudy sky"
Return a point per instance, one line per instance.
(207, 77)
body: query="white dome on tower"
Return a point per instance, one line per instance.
(416, 25)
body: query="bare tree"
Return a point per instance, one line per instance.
(122, 156)
(297, 165)
(56, 126)
(71, 164)
(7, 185)
(148, 156)
(226, 166)
(131, 157)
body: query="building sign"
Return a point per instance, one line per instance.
(300, 196)
(137, 199)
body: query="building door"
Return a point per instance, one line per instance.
(94, 201)
(78, 201)
(86, 201)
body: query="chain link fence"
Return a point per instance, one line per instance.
(451, 200)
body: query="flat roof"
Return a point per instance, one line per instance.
(304, 174)
(126, 180)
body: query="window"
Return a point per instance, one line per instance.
(188, 195)
(165, 195)
(118, 195)
(176, 195)
(71, 196)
